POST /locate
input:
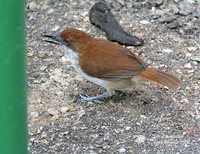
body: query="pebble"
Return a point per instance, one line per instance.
(173, 25)
(167, 50)
(64, 59)
(34, 114)
(95, 136)
(167, 18)
(33, 6)
(192, 49)
(55, 117)
(53, 112)
(188, 66)
(140, 138)
(127, 128)
(32, 139)
(56, 28)
(190, 71)
(91, 147)
(188, 54)
(43, 68)
(158, 2)
(156, 16)
(144, 22)
(90, 103)
(186, 8)
(50, 11)
(196, 13)
(173, 8)
(122, 150)
(42, 54)
(196, 58)
(81, 113)
(143, 116)
(29, 54)
(64, 109)
(43, 135)
(179, 71)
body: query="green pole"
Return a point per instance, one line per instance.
(13, 110)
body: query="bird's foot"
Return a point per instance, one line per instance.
(95, 98)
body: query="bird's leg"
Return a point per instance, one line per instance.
(98, 97)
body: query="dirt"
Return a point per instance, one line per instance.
(149, 119)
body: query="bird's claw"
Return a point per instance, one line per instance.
(94, 98)
(85, 97)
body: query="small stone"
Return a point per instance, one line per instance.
(66, 133)
(127, 128)
(64, 109)
(168, 50)
(33, 6)
(144, 22)
(188, 66)
(42, 54)
(184, 100)
(196, 13)
(196, 58)
(32, 139)
(192, 49)
(90, 103)
(186, 8)
(55, 117)
(140, 138)
(190, 71)
(50, 11)
(43, 68)
(173, 25)
(94, 136)
(43, 135)
(53, 112)
(167, 18)
(156, 3)
(179, 71)
(122, 150)
(191, 1)
(56, 28)
(34, 114)
(91, 146)
(143, 116)
(81, 113)
(173, 8)
(156, 16)
(64, 59)
(188, 54)
(29, 54)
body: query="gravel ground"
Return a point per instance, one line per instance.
(149, 119)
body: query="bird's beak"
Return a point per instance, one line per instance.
(53, 38)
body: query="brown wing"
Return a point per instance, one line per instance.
(106, 60)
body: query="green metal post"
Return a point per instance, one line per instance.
(13, 110)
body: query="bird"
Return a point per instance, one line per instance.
(106, 63)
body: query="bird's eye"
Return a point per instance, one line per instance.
(66, 41)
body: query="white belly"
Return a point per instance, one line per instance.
(124, 84)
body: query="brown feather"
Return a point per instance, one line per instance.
(163, 78)
(107, 60)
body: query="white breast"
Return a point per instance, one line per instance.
(73, 57)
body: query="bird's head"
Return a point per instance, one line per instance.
(71, 38)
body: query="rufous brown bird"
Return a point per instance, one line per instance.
(107, 64)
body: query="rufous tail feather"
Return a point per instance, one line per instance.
(161, 77)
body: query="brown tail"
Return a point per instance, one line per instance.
(166, 79)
